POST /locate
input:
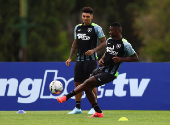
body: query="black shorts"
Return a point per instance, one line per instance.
(102, 77)
(83, 69)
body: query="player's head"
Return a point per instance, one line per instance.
(87, 15)
(115, 29)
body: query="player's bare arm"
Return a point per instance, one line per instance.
(101, 61)
(102, 45)
(132, 58)
(73, 50)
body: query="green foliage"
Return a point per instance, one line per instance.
(49, 37)
(9, 38)
(52, 36)
(154, 28)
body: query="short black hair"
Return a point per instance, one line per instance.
(115, 24)
(87, 10)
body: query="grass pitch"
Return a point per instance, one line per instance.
(111, 117)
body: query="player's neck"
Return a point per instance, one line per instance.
(119, 37)
(87, 24)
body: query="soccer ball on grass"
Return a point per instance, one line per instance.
(56, 87)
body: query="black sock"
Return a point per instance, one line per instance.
(97, 108)
(71, 94)
(78, 104)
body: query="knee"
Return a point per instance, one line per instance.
(77, 84)
(89, 84)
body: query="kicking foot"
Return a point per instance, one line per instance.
(75, 111)
(61, 99)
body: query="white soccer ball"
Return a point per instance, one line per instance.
(56, 87)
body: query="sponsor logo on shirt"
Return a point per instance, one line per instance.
(83, 36)
(111, 50)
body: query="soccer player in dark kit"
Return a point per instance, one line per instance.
(118, 50)
(86, 36)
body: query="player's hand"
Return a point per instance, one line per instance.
(68, 62)
(89, 52)
(100, 63)
(117, 59)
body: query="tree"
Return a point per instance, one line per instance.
(49, 38)
(154, 29)
(9, 37)
(53, 34)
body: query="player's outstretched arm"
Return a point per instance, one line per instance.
(100, 46)
(132, 58)
(73, 50)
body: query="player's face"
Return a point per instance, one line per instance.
(87, 17)
(113, 31)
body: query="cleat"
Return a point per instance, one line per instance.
(96, 114)
(61, 99)
(75, 111)
(92, 111)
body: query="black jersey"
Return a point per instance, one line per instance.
(120, 48)
(87, 39)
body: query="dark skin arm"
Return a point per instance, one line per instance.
(132, 58)
(73, 50)
(102, 45)
(101, 61)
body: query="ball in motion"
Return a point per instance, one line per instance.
(56, 87)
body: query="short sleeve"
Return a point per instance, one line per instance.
(108, 40)
(128, 48)
(75, 34)
(99, 31)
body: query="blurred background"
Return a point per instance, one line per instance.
(43, 30)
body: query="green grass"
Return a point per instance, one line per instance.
(111, 117)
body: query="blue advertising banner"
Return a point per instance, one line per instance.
(139, 86)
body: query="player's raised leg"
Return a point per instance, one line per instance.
(87, 86)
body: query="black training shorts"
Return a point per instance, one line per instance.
(83, 69)
(102, 77)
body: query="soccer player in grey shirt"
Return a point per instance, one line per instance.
(86, 37)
